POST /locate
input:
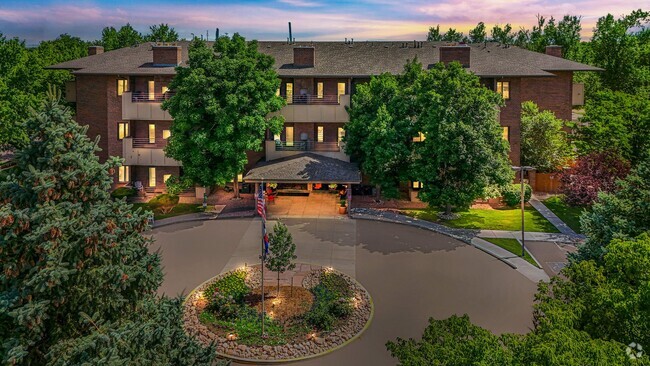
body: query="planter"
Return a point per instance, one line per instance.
(343, 210)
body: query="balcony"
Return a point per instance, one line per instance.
(310, 108)
(144, 106)
(144, 151)
(281, 149)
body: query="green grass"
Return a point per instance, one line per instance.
(570, 215)
(490, 219)
(179, 209)
(513, 246)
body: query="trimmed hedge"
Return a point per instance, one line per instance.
(512, 194)
(123, 192)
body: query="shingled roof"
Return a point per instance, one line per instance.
(339, 59)
(305, 167)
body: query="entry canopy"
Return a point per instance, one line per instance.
(304, 168)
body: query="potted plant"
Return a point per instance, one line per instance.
(332, 187)
(343, 208)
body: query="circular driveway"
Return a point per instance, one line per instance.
(412, 274)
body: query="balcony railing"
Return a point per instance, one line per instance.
(146, 97)
(313, 99)
(147, 143)
(307, 146)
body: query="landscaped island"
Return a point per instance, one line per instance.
(321, 312)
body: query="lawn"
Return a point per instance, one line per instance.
(490, 219)
(570, 215)
(513, 246)
(179, 209)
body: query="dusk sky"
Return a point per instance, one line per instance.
(311, 19)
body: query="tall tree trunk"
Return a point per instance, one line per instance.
(278, 284)
(448, 210)
(378, 192)
(236, 185)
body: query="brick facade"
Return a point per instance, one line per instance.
(166, 55)
(304, 56)
(455, 53)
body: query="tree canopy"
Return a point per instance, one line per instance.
(220, 109)
(78, 281)
(544, 143)
(161, 33)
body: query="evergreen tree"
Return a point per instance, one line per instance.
(281, 251)
(434, 34)
(478, 33)
(76, 270)
(161, 33)
(503, 34)
(220, 109)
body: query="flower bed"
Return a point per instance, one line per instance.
(324, 312)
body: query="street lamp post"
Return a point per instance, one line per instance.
(522, 169)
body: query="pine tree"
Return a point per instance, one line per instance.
(281, 251)
(75, 266)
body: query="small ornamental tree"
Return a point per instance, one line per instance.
(544, 143)
(593, 173)
(464, 151)
(221, 105)
(77, 277)
(281, 251)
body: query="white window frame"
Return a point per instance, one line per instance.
(123, 174)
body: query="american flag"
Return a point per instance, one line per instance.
(261, 205)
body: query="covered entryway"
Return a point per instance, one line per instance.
(305, 185)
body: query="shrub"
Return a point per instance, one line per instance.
(320, 316)
(122, 192)
(512, 193)
(336, 284)
(175, 186)
(233, 285)
(164, 202)
(593, 173)
(331, 301)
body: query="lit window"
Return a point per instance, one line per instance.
(122, 130)
(503, 88)
(277, 92)
(319, 90)
(506, 133)
(123, 174)
(165, 89)
(122, 86)
(419, 138)
(289, 135)
(289, 93)
(340, 90)
(320, 133)
(341, 133)
(276, 137)
(152, 177)
(152, 133)
(152, 89)
(165, 177)
(166, 134)
(417, 185)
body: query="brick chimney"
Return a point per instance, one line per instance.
(554, 50)
(459, 53)
(95, 50)
(166, 55)
(304, 56)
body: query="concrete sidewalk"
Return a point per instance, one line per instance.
(552, 218)
(530, 235)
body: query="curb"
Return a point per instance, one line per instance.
(183, 219)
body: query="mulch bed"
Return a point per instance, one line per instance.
(292, 302)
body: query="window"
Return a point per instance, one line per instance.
(506, 133)
(417, 185)
(152, 133)
(152, 90)
(340, 91)
(166, 134)
(165, 89)
(122, 130)
(122, 86)
(319, 90)
(320, 131)
(165, 177)
(289, 89)
(277, 92)
(503, 88)
(123, 174)
(419, 138)
(289, 135)
(341, 133)
(276, 137)
(152, 177)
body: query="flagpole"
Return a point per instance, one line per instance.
(262, 256)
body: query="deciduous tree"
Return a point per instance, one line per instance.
(161, 33)
(544, 143)
(220, 108)
(478, 34)
(282, 251)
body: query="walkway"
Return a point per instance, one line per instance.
(552, 218)
(316, 205)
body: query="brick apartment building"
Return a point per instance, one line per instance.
(118, 95)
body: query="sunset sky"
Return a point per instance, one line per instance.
(311, 19)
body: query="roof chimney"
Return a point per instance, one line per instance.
(304, 56)
(459, 53)
(95, 50)
(553, 50)
(166, 55)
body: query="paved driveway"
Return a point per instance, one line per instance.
(412, 274)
